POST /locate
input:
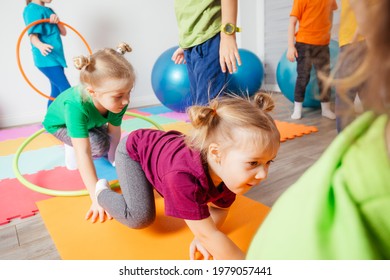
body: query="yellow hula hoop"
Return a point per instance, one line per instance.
(52, 192)
(18, 51)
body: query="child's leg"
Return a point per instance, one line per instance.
(352, 56)
(70, 156)
(100, 141)
(303, 77)
(321, 61)
(135, 207)
(57, 78)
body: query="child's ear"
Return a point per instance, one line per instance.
(90, 90)
(214, 152)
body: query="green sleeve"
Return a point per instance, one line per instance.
(76, 121)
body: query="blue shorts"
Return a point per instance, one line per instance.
(207, 80)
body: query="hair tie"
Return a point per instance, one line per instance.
(120, 51)
(123, 48)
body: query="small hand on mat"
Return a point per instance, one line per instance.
(96, 211)
(197, 251)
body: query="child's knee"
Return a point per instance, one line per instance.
(141, 221)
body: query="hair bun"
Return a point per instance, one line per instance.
(264, 101)
(201, 115)
(81, 61)
(123, 48)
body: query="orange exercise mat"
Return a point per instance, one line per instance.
(167, 239)
(289, 131)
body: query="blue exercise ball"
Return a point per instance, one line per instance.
(170, 82)
(249, 76)
(286, 76)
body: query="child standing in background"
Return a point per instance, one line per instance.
(207, 40)
(311, 46)
(87, 117)
(352, 50)
(229, 151)
(47, 49)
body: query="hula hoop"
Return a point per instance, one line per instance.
(18, 51)
(159, 127)
(52, 192)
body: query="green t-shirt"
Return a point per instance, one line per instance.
(197, 21)
(340, 207)
(77, 115)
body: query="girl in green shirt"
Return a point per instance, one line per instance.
(87, 117)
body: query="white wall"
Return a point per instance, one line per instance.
(149, 26)
(251, 21)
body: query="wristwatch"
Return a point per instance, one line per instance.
(229, 28)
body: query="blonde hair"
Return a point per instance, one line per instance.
(218, 121)
(374, 70)
(105, 64)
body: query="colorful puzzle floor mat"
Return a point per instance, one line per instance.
(42, 160)
(167, 238)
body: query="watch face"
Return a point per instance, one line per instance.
(229, 28)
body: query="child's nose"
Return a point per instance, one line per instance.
(126, 101)
(261, 173)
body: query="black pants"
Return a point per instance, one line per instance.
(309, 55)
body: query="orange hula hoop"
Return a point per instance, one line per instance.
(18, 50)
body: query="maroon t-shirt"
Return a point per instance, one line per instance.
(177, 173)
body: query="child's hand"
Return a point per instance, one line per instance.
(195, 247)
(229, 56)
(95, 212)
(54, 19)
(45, 49)
(178, 56)
(291, 54)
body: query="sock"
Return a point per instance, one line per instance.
(297, 113)
(326, 111)
(101, 185)
(70, 158)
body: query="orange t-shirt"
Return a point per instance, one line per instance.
(315, 20)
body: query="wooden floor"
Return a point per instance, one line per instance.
(28, 239)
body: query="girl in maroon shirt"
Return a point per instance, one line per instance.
(229, 151)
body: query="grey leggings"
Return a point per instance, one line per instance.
(135, 207)
(98, 137)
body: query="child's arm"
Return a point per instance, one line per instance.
(115, 137)
(228, 51)
(54, 19)
(291, 50)
(219, 216)
(45, 49)
(212, 239)
(87, 171)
